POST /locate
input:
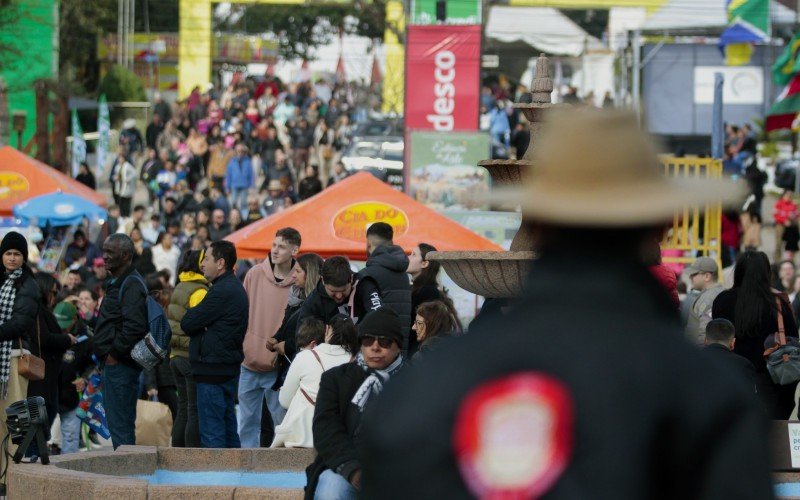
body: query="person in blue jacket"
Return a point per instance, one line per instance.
(239, 177)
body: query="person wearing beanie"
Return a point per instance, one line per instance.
(344, 393)
(19, 305)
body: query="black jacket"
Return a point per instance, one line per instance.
(646, 405)
(75, 363)
(336, 423)
(51, 349)
(121, 325)
(217, 326)
(320, 306)
(287, 333)
(386, 268)
(736, 363)
(26, 308)
(778, 399)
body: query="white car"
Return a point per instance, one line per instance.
(381, 156)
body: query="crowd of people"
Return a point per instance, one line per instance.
(261, 145)
(258, 338)
(309, 350)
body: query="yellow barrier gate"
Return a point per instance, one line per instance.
(696, 231)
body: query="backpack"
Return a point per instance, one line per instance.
(154, 347)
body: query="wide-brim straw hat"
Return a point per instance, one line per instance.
(596, 167)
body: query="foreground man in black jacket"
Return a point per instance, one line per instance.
(577, 393)
(344, 393)
(216, 327)
(122, 323)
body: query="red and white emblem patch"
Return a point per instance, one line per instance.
(513, 436)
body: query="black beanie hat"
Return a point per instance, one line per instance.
(15, 241)
(382, 322)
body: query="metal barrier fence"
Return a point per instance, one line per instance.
(696, 231)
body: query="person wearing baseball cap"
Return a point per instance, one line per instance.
(584, 386)
(66, 316)
(704, 274)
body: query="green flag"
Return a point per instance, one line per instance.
(78, 144)
(103, 130)
(788, 64)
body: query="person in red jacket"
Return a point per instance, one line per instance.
(731, 237)
(786, 222)
(651, 255)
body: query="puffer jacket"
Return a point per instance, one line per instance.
(25, 311)
(192, 287)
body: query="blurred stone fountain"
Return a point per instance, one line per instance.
(502, 274)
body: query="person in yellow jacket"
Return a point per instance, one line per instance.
(191, 289)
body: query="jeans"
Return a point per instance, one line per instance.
(217, 415)
(70, 431)
(120, 392)
(185, 430)
(239, 198)
(254, 388)
(333, 486)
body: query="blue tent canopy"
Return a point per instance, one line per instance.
(58, 209)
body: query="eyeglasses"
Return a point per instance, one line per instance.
(419, 323)
(384, 342)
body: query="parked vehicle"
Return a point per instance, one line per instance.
(381, 156)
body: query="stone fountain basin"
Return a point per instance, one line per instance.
(505, 172)
(104, 475)
(489, 274)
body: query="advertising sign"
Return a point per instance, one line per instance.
(461, 12)
(742, 85)
(443, 169)
(442, 77)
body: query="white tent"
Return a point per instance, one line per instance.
(543, 28)
(689, 14)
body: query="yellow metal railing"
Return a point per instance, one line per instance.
(695, 231)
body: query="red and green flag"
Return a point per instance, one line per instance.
(786, 107)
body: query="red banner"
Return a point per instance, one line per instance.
(442, 77)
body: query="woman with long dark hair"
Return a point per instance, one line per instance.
(752, 306)
(191, 290)
(433, 322)
(425, 287)
(49, 343)
(20, 301)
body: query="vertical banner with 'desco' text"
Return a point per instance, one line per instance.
(442, 81)
(442, 77)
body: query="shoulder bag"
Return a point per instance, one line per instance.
(29, 366)
(783, 358)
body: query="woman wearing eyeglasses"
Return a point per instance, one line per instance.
(433, 323)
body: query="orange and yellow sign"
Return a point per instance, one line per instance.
(352, 221)
(13, 186)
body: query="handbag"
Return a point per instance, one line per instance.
(783, 358)
(153, 423)
(29, 366)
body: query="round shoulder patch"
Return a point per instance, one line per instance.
(513, 436)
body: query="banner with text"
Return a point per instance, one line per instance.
(442, 77)
(444, 171)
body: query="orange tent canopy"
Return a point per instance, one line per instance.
(22, 178)
(335, 222)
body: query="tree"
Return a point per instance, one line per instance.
(121, 84)
(300, 28)
(80, 26)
